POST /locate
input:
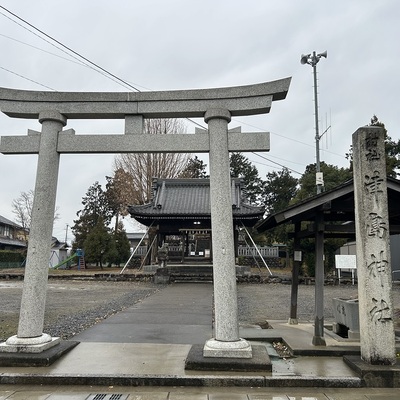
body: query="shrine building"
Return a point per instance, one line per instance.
(180, 212)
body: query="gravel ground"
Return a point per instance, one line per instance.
(258, 303)
(73, 306)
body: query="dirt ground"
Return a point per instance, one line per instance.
(74, 305)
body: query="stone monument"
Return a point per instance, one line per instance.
(377, 337)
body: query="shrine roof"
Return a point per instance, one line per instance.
(337, 204)
(190, 198)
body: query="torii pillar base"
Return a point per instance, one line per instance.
(15, 344)
(237, 349)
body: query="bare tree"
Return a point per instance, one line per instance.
(22, 209)
(143, 167)
(119, 193)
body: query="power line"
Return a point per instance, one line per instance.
(106, 73)
(121, 81)
(30, 80)
(288, 138)
(281, 165)
(99, 69)
(44, 51)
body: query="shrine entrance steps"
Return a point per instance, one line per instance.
(193, 273)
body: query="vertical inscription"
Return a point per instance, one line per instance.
(373, 252)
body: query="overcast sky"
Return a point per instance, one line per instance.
(186, 44)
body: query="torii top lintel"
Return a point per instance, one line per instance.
(239, 100)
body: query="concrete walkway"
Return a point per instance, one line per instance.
(178, 314)
(140, 353)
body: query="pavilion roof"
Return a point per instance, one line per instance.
(189, 199)
(337, 205)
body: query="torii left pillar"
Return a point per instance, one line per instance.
(30, 336)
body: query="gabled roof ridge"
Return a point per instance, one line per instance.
(6, 221)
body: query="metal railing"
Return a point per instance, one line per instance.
(265, 251)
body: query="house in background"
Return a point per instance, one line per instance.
(11, 235)
(138, 238)
(58, 253)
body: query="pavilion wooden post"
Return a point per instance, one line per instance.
(295, 276)
(318, 339)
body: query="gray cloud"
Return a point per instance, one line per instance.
(183, 44)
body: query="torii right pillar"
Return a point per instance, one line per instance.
(377, 337)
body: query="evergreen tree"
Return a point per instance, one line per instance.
(392, 149)
(98, 243)
(120, 250)
(96, 210)
(279, 190)
(195, 168)
(241, 167)
(333, 176)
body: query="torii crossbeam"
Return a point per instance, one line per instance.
(53, 109)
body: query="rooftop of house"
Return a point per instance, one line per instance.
(5, 221)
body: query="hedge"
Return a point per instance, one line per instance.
(11, 259)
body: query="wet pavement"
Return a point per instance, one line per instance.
(140, 354)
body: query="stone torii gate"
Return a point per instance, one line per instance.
(53, 109)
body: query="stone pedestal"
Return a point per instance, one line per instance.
(162, 276)
(14, 344)
(236, 349)
(377, 338)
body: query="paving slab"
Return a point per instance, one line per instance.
(123, 361)
(178, 314)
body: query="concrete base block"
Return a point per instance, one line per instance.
(318, 341)
(242, 270)
(237, 349)
(162, 276)
(259, 362)
(353, 335)
(375, 375)
(150, 269)
(293, 321)
(43, 359)
(15, 344)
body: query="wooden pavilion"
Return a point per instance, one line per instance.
(326, 215)
(181, 215)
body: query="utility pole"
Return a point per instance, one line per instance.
(66, 233)
(313, 59)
